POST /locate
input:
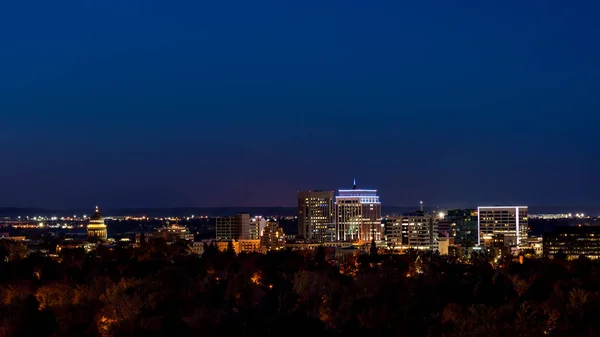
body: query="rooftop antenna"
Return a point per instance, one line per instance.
(354, 183)
(421, 202)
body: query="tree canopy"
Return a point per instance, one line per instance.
(160, 290)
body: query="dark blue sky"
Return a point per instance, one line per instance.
(218, 103)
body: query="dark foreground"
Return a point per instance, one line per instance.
(163, 291)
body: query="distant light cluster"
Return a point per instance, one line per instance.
(558, 216)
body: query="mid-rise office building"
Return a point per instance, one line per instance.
(445, 229)
(358, 215)
(273, 237)
(96, 228)
(236, 228)
(573, 241)
(316, 214)
(505, 223)
(413, 231)
(422, 231)
(463, 226)
(257, 224)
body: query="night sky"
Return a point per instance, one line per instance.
(242, 103)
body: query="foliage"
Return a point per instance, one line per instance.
(160, 290)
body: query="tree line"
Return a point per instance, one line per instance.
(162, 290)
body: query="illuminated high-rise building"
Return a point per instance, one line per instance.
(315, 215)
(358, 215)
(96, 228)
(507, 225)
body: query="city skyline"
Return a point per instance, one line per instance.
(313, 168)
(217, 104)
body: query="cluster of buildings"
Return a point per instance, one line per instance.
(354, 215)
(352, 220)
(249, 234)
(242, 232)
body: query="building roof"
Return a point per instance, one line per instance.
(96, 215)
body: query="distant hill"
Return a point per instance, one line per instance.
(152, 212)
(173, 211)
(16, 211)
(225, 211)
(204, 211)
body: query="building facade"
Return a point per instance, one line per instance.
(273, 237)
(505, 223)
(358, 215)
(257, 225)
(316, 213)
(445, 229)
(96, 228)
(446, 245)
(422, 231)
(250, 246)
(198, 247)
(536, 244)
(241, 246)
(463, 226)
(236, 228)
(413, 231)
(573, 241)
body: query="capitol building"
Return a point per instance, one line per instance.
(96, 228)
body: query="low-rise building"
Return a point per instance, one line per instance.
(142, 238)
(446, 246)
(175, 232)
(223, 245)
(536, 243)
(75, 244)
(197, 247)
(241, 246)
(312, 246)
(573, 241)
(250, 246)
